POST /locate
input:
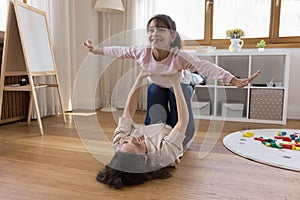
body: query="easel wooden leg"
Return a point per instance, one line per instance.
(30, 108)
(60, 99)
(1, 89)
(1, 102)
(61, 104)
(38, 116)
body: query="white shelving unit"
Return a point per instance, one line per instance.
(258, 102)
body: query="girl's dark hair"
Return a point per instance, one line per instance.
(170, 24)
(129, 169)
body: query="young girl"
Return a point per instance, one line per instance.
(164, 57)
(143, 152)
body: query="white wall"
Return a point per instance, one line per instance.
(294, 89)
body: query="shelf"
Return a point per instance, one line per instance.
(16, 73)
(230, 87)
(270, 88)
(204, 86)
(274, 64)
(17, 87)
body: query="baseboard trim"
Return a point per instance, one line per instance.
(293, 112)
(86, 103)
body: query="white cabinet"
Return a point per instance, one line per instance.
(259, 102)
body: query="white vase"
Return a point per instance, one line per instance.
(236, 44)
(260, 49)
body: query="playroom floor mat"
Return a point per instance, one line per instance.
(257, 145)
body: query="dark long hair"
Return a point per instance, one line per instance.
(170, 24)
(130, 169)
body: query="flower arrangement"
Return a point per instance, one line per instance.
(235, 33)
(261, 44)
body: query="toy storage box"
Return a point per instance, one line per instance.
(232, 109)
(201, 107)
(266, 104)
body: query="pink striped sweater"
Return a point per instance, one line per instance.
(176, 60)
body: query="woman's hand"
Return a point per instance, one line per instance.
(240, 83)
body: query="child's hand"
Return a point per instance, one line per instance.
(89, 44)
(244, 82)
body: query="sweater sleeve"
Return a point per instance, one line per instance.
(124, 128)
(170, 150)
(206, 68)
(123, 52)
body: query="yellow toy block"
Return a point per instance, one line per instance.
(279, 133)
(248, 134)
(268, 144)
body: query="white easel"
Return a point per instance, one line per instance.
(28, 52)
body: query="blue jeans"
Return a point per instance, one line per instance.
(161, 107)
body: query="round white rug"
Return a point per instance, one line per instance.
(253, 149)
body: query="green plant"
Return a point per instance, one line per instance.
(261, 44)
(235, 33)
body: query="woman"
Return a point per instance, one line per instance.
(143, 152)
(162, 57)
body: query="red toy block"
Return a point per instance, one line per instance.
(278, 137)
(287, 146)
(288, 139)
(259, 139)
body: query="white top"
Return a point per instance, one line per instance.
(164, 144)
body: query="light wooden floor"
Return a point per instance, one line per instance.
(57, 166)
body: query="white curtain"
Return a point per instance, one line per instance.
(64, 18)
(60, 17)
(143, 12)
(121, 74)
(3, 14)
